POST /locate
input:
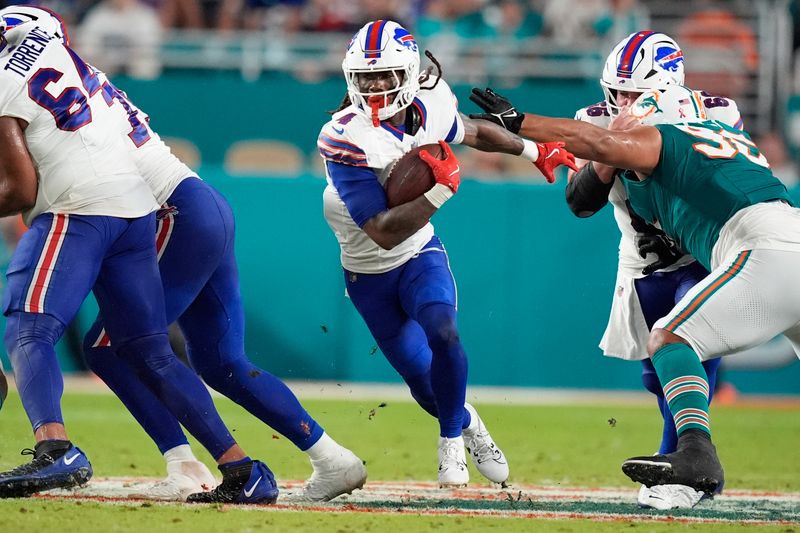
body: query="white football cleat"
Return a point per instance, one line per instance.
(666, 497)
(452, 463)
(486, 456)
(341, 474)
(183, 478)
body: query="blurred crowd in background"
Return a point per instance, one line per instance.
(565, 20)
(724, 40)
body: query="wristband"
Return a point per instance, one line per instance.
(439, 194)
(529, 150)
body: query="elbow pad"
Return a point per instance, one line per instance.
(586, 194)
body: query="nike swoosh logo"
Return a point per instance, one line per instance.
(455, 171)
(340, 131)
(69, 460)
(249, 493)
(552, 153)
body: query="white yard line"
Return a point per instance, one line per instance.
(332, 390)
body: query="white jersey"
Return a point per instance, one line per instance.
(159, 167)
(350, 138)
(630, 263)
(83, 166)
(626, 333)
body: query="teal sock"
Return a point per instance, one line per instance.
(685, 385)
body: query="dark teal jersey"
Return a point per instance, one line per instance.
(707, 172)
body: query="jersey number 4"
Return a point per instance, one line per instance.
(71, 109)
(725, 144)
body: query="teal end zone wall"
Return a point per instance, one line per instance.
(534, 288)
(528, 316)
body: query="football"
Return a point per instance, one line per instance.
(410, 177)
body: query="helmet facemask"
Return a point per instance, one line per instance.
(380, 105)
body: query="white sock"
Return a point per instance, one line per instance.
(322, 449)
(179, 453)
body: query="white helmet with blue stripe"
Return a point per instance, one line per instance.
(642, 61)
(382, 46)
(19, 17)
(674, 105)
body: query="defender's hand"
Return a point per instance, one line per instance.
(497, 109)
(551, 156)
(624, 121)
(666, 250)
(447, 170)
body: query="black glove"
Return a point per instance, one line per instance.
(498, 109)
(665, 248)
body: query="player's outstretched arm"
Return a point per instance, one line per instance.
(487, 136)
(18, 181)
(638, 149)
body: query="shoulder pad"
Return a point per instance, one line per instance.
(596, 114)
(335, 141)
(722, 109)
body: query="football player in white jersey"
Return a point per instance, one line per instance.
(194, 240)
(92, 227)
(653, 274)
(395, 269)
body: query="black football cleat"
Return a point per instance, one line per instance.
(56, 464)
(694, 464)
(250, 483)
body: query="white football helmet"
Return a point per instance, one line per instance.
(642, 61)
(17, 17)
(674, 105)
(382, 46)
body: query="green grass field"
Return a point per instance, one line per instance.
(545, 445)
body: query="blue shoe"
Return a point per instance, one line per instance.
(251, 482)
(55, 465)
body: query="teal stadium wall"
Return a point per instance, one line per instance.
(534, 282)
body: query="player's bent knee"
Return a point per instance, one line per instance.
(439, 323)
(447, 332)
(150, 352)
(660, 338)
(26, 328)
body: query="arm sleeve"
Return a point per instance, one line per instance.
(359, 189)
(586, 194)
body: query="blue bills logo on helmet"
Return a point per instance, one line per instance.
(402, 36)
(669, 58)
(9, 23)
